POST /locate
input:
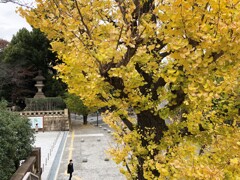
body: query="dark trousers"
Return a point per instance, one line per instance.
(70, 177)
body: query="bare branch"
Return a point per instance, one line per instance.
(20, 3)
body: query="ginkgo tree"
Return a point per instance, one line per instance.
(174, 63)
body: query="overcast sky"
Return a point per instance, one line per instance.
(10, 21)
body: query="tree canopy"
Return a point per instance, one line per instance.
(26, 54)
(75, 105)
(174, 63)
(16, 139)
(3, 44)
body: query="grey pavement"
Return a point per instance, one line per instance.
(49, 143)
(86, 145)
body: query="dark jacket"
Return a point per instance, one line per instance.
(70, 168)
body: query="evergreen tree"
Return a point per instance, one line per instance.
(27, 53)
(16, 139)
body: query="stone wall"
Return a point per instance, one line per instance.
(57, 120)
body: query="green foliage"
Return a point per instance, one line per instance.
(5, 82)
(3, 45)
(16, 139)
(44, 104)
(26, 54)
(28, 48)
(75, 104)
(54, 87)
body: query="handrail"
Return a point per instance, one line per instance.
(31, 176)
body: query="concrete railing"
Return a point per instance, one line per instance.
(30, 176)
(45, 113)
(31, 165)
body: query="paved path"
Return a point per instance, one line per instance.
(88, 143)
(50, 145)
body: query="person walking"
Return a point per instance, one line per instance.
(70, 169)
(36, 128)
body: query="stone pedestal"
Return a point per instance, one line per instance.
(39, 85)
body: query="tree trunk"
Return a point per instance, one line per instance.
(146, 119)
(85, 119)
(149, 123)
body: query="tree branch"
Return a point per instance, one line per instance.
(81, 17)
(122, 9)
(17, 2)
(127, 123)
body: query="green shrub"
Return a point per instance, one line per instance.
(16, 140)
(44, 104)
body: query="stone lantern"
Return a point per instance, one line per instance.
(39, 85)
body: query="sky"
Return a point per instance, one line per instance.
(10, 21)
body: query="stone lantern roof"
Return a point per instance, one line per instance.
(39, 77)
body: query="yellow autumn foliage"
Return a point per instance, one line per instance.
(167, 71)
